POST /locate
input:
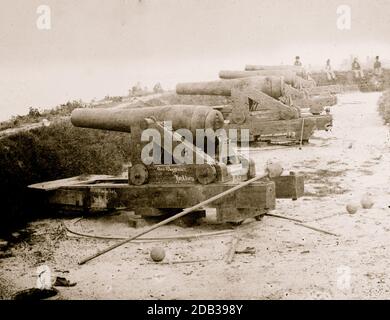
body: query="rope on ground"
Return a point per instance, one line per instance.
(150, 239)
(300, 223)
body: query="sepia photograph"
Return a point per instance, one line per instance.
(189, 150)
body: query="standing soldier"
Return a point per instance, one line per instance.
(377, 67)
(329, 71)
(297, 62)
(157, 88)
(357, 70)
(137, 89)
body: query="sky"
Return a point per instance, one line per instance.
(100, 47)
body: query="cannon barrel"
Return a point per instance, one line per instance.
(289, 76)
(273, 86)
(182, 117)
(299, 71)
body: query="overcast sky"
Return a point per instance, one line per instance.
(98, 47)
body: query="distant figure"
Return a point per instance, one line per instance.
(329, 71)
(137, 89)
(357, 70)
(297, 62)
(157, 88)
(377, 67)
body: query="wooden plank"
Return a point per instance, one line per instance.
(237, 215)
(232, 250)
(266, 102)
(73, 181)
(292, 127)
(78, 198)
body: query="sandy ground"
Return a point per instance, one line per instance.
(290, 262)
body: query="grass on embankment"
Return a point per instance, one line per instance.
(49, 153)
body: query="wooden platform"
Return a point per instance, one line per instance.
(106, 193)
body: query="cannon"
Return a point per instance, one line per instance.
(304, 78)
(299, 71)
(309, 97)
(260, 89)
(261, 104)
(273, 86)
(289, 76)
(162, 181)
(182, 116)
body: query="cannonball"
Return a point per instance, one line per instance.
(352, 208)
(157, 254)
(274, 169)
(366, 202)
